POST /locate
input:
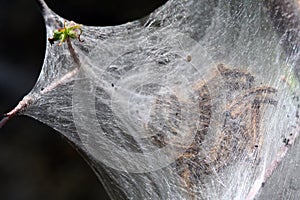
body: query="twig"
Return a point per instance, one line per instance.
(28, 100)
(68, 75)
(259, 183)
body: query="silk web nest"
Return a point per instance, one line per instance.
(199, 100)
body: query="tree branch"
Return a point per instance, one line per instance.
(28, 100)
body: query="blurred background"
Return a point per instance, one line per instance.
(35, 161)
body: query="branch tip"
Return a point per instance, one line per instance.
(4, 119)
(22, 105)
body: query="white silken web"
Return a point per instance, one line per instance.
(198, 100)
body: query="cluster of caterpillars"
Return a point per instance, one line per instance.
(238, 134)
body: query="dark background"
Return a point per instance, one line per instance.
(35, 161)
